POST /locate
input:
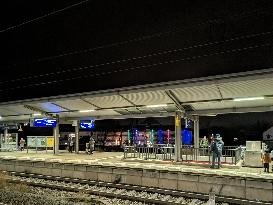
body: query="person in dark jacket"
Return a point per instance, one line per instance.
(70, 144)
(216, 148)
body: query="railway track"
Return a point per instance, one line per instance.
(146, 195)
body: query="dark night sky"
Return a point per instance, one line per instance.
(173, 25)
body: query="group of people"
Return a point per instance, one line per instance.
(89, 146)
(216, 147)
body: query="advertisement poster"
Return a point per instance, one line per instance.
(41, 142)
(50, 141)
(31, 141)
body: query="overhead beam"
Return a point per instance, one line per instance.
(129, 101)
(217, 100)
(219, 91)
(60, 106)
(125, 116)
(35, 109)
(232, 110)
(70, 111)
(189, 115)
(86, 101)
(174, 99)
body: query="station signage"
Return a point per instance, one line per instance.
(44, 122)
(87, 124)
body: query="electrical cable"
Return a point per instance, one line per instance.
(141, 67)
(162, 52)
(147, 37)
(43, 16)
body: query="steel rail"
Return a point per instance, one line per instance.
(173, 193)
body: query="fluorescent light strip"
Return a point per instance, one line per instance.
(161, 105)
(248, 99)
(37, 114)
(83, 111)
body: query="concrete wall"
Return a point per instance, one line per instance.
(239, 187)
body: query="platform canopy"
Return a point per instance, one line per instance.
(209, 96)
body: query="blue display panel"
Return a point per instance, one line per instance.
(44, 122)
(136, 133)
(160, 136)
(187, 137)
(87, 124)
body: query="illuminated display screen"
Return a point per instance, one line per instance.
(87, 124)
(187, 137)
(44, 122)
(160, 136)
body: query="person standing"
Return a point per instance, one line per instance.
(22, 144)
(70, 144)
(204, 143)
(216, 148)
(87, 148)
(266, 159)
(91, 144)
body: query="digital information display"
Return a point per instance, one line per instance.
(44, 122)
(187, 137)
(87, 124)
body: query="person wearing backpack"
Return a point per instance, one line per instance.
(216, 148)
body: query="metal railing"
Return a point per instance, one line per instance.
(130, 152)
(230, 155)
(162, 152)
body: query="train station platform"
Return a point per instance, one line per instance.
(244, 182)
(116, 159)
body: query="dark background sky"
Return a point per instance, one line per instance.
(232, 36)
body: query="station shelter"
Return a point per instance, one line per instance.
(184, 100)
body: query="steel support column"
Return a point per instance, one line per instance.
(6, 130)
(178, 142)
(196, 132)
(56, 135)
(77, 138)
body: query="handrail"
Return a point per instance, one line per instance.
(230, 154)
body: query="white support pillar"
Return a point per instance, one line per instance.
(56, 135)
(196, 132)
(6, 130)
(77, 138)
(178, 141)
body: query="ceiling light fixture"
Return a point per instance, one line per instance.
(83, 111)
(248, 99)
(211, 115)
(37, 114)
(160, 105)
